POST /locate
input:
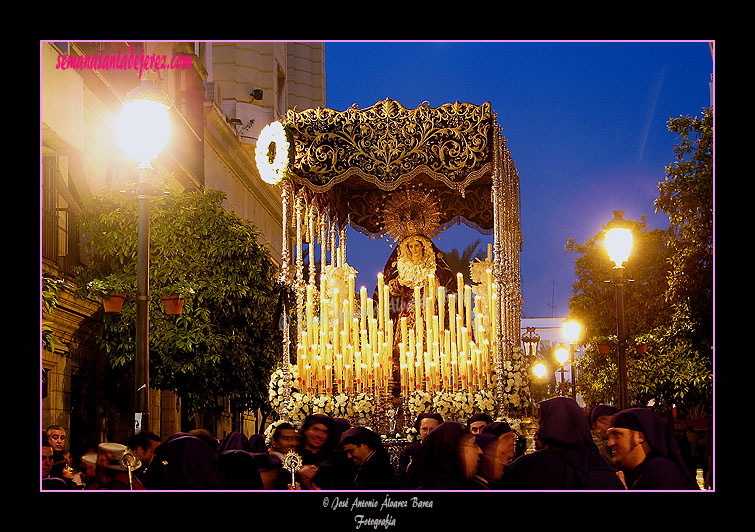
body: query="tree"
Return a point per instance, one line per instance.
(459, 262)
(687, 197)
(593, 302)
(671, 315)
(224, 344)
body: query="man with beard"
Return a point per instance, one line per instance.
(644, 448)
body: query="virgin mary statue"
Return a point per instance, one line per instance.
(412, 220)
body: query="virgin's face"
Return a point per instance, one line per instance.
(415, 249)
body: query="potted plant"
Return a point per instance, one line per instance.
(173, 297)
(112, 290)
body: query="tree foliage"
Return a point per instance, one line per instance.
(669, 306)
(687, 197)
(593, 302)
(224, 343)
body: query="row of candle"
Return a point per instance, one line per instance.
(444, 349)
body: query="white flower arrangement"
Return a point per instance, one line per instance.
(485, 401)
(443, 404)
(271, 153)
(277, 384)
(478, 270)
(299, 406)
(410, 434)
(364, 405)
(337, 277)
(419, 401)
(322, 404)
(516, 380)
(463, 405)
(342, 407)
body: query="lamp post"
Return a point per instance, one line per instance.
(562, 355)
(571, 330)
(618, 242)
(530, 345)
(143, 128)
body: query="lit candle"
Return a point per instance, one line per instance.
(404, 331)
(417, 314)
(468, 307)
(363, 306)
(381, 301)
(300, 363)
(428, 320)
(431, 288)
(324, 303)
(386, 306)
(441, 307)
(336, 337)
(460, 293)
(358, 370)
(355, 333)
(351, 297)
(452, 316)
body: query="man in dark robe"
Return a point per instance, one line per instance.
(568, 460)
(600, 420)
(424, 424)
(372, 464)
(185, 462)
(448, 459)
(324, 465)
(644, 447)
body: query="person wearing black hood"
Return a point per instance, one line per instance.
(424, 424)
(477, 422)
(600, 420)
(324, 465)
(372, 463)
(568, 460)
(644, 447)
(185, 462)
(448, 459)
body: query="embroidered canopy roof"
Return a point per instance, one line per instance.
(350, 161)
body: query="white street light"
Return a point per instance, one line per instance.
(143, 129)
(619, 246)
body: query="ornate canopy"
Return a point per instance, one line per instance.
(345, 168)
(352, 159)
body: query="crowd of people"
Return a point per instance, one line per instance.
(632, 449)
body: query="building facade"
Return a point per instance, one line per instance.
(222, 95)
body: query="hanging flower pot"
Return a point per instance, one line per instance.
(642, 348)
(113, 303)
(172, 304)
(604, 348)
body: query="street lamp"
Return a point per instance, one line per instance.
(618, 241)
(562, 355)
(143, 128)
(572, 330)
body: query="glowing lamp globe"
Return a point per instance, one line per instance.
(539, 370)
(618, 240)
(572, 330)
(562, 355)
(143, 127)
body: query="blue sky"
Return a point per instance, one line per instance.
(585, 123)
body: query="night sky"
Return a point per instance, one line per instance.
(585, 123)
